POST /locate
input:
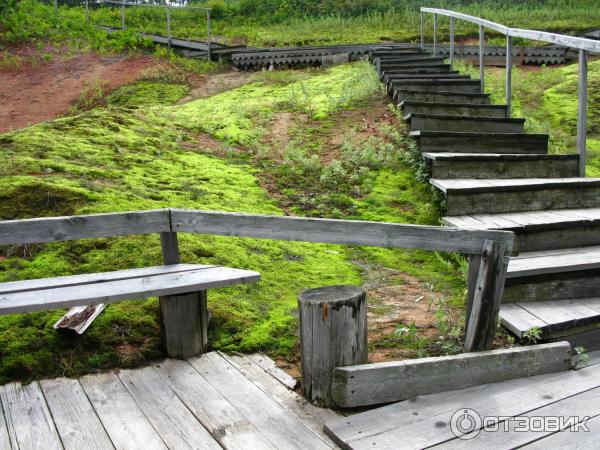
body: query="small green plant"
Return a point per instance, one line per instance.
(532, 335)
(582, 357)
(92, 96)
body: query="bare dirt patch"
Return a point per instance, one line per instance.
(207, 86)
(39, 90)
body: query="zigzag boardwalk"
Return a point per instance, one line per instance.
(496, 176)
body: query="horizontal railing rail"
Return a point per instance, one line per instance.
(487, 249)
(584, 45)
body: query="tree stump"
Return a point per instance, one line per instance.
(333, 333)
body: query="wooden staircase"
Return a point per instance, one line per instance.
(494, 175)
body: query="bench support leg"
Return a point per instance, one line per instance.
(184, 324)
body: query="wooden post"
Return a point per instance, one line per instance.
(87, 11)
(422, 31)
(487, 296)
(481, 58)
(333, 333)
(122, 16)
(451, 42)
(209, 35)
(582, 112)
(435, 27)
(474, 263)
(184, 317)
(169, 26)
(378, 66)
(55, 6)
(509, 49)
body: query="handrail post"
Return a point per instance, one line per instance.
(55, 6)
(209, 35)
(87, 11)
(122, 16)
(509, 47)
(451, 42)
(435, 27)
(422, 30)
(169, 25)
(582, 112)
(481, 64)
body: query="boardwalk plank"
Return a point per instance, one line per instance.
(28, 420)
(175, 424)
(566, 440)
(281, 428)
(311, 415)
(74, 417)
(4, 437)
(578, 406)
(219, 416)
(124, 421)
(424, 421)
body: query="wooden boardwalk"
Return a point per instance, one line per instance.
(426, 421)
(209, 402)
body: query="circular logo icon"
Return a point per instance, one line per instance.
(465, 424)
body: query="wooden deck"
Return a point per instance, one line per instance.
(426, 421)
(209, 402)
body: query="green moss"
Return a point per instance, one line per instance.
(147, 93)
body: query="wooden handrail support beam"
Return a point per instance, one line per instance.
(487, 249)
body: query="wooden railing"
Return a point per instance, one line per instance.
(582, 44)
(487, 249)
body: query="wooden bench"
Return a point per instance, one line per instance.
(181, 288)
(182, 295)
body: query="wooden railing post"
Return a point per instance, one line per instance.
(451, 42)
(509, 48)
(422, 30)
(582, 112)
(184, 317)
(122, 16)
(169, 25)
(435, 28)
(209, 35)
(487, 290)
(481, 58)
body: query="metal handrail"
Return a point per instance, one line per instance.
(584, 46)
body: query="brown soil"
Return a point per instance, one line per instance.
(207, 86)
(38, 90)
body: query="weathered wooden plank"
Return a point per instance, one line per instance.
(4, 437)
(517, 319)
(79, 318)
(50, 229)
(121, 417)
(115, 291)
(281, 428)
(29, 423)
(175, 424)
(170, 247)
(310, 415)
(507, 434)
(89, 278)
(74, 417)
(489, 287)
(371, 384)
(567, 440)
(334, 231)
(424, 421)
(218, 415)
(552, 261)
(184, 324)
(269, 366)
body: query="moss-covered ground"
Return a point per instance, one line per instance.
(295, 142)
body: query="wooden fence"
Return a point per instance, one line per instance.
(487, 250)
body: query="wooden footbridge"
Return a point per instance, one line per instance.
(528, 221)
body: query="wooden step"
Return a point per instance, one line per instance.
(442, 68)
(497, 165)
(472, 196)
(454, 109)
(555, 319)
(539, 230)
(463, 86)
(389, 77)
(400, 95)
(458, 142)
(436, 122)
(411, 60)
(391, 53)
(554, 261)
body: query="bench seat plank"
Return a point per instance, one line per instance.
(199, 279)
(88, 278)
